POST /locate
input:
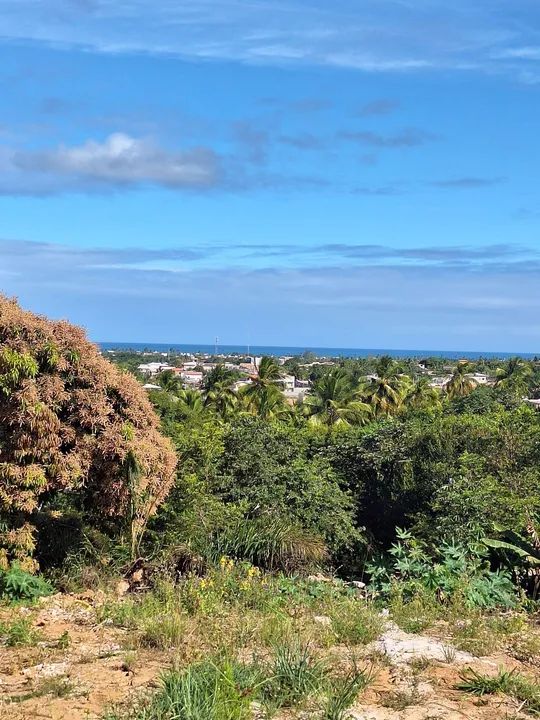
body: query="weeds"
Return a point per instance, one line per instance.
(343, 693)
(355, 623)
(296, 674)
(507, 682)
(19, 632)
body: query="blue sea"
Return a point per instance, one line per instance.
(327, 352)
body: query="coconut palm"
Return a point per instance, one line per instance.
(385, 391)
(263, 395)
(332, 402)
(423, 396)
(170, 382)
(460, 384)
(515, 375)
(222, 399)
(190, 403)
(267, 402)
(219, 376)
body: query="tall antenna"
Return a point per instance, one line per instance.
(216, 345)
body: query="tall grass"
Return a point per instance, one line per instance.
(209, 690)
(271, 545)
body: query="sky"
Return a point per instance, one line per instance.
(360, 173)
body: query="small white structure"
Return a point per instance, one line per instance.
(288, 382)
(192, 377)
(153, 368)
(150, 386)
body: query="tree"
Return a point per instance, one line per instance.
(72, 426)
(332, 402)
(514, 376)
(170, 382)
(460, 384)
(386, 390)
(422, 396)
(263, 395)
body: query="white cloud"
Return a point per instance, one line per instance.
(369, 36)
(121, 159)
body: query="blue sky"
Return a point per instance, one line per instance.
(356, 173)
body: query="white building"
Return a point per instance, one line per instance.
(153, 368)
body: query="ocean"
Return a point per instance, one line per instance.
(280, 351)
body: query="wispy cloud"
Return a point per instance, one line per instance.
(383, 106)
(124, 160)
(468, 182)
(409, 137)
(433, 304)
(374, 36)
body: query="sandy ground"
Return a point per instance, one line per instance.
(414, 680)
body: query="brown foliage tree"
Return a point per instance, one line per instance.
(72, 423)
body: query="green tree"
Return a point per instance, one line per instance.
(332, 402)
(460, 384)
(515, 376)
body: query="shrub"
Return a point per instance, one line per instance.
(75, 431)
(17, 584)
(452, 570)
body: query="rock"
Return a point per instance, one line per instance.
(357, 584)
(401, 647)
(137, 576)
(122, 588)
(322, 620)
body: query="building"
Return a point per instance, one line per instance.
(192, 377)
(153, 368)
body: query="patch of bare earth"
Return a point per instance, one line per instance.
(76, 668)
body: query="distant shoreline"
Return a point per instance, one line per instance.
(284, 350)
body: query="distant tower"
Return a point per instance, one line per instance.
(216, 345)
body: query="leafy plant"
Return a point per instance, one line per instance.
(17, 584)
(451, 570)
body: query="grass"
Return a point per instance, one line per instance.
(295, 675)
(401, 699)
(344, 691)
(218, 689)
(507, 682)
(19, 632)
(355, 622)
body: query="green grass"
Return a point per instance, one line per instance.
(19, 632)
(507, 682)
(344, 691)
(355, 622)
(209, 690)
(295, 675)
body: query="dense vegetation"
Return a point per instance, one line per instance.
(251, 522)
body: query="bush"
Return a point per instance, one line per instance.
(76, 433)
(449, 572)
(17, 584)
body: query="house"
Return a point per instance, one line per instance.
(153, 368)
(288, 383)
(192, 377)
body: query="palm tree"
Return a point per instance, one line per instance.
(219, 393)
(386, 390)
(219, 376)
(268, 402)
(460, 384)
(514, 376)
(222, 399)
(332, 402)
(170, 382)
(263, 394)
(190, 403)
(422, 396)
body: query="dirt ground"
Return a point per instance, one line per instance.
(78, 667)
